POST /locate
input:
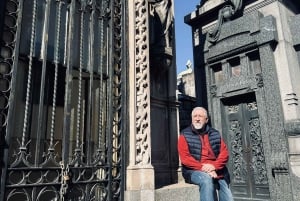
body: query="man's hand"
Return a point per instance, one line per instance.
(213, 174)
(208, 168)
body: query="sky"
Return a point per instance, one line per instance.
(183, 33)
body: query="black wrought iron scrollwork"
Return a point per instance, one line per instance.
(118, 108)
(258, 158)
(70, 147)
(21, 156)
(239, 171)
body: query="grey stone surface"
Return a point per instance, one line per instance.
(139, 195)
(175, 192)
(242, 33)
(293, 127)
(295, 28)
(178, 192)
(296, 186)
(132, 195)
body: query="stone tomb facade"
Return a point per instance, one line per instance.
(246, 58)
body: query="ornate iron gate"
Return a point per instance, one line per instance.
(247, 160)
(61, 100)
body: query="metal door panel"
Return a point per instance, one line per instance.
(243, 136)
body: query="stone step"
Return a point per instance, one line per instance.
(178, 192)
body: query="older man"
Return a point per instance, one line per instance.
(204, 155)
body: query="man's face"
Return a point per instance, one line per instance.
(199, 119)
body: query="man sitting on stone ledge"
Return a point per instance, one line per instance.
(204, 155)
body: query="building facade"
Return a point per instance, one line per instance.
(186, 96)
(246, 63)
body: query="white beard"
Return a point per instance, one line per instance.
(198, 125)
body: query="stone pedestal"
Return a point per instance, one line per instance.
(140, 183)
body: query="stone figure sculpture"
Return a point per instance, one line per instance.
(163, 19)
(226, 13)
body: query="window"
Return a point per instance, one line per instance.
(218, 75)
(235, 67)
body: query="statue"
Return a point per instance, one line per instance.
(163, 17)
(228, 12)
(161, 22)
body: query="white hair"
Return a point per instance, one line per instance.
(199, 108)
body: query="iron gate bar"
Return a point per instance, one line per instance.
(23, 146)
(102, 22)
(91, 73)
(43, 57)
(67, 103)
(56, 62)
(76, 161)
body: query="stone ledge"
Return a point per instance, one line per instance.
(178, 192)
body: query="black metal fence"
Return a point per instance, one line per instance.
(62, 100)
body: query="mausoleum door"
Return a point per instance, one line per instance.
(242, 133)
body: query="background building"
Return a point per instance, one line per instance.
(186, 95)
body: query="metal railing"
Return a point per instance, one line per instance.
(62, 101)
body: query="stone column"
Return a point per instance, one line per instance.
(140, 173)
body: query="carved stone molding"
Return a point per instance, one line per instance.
(142, 83)
(213, 90)
(259, 80)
